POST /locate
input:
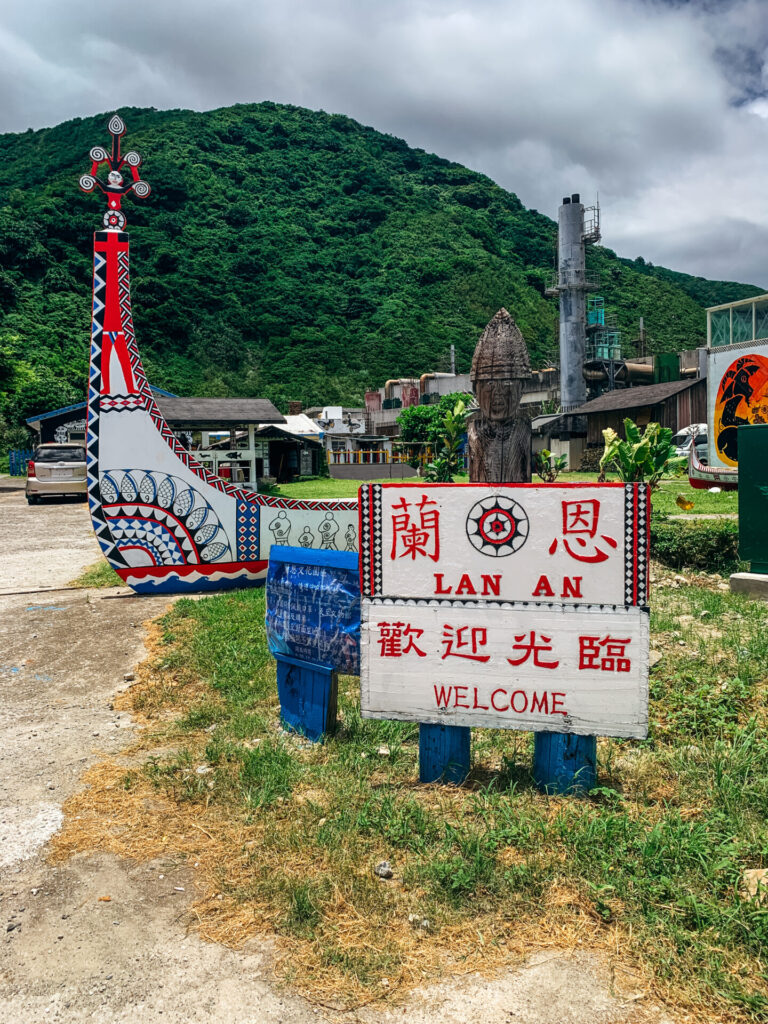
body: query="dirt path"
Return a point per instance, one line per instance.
(67, 954)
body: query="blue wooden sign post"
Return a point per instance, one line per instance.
(313, 631)
(308, 697)
(564, 763)
(443, 753)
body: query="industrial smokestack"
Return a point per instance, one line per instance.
(571, 281)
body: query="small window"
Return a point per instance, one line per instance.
(73, 454)
(701, 439)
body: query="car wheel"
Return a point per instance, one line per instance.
(32, 499)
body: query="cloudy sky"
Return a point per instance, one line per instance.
(660, 106)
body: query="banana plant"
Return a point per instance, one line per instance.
(454, 427)
(644, 455)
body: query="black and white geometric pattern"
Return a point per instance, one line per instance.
(99, 520)
(636, 525)
(629, 546)
(365, 540)
(376, 528)
(643, 553)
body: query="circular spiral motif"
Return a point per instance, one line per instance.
(98, 153)
(113, 219)
(132, 158)
(87, 183)
(116, 125)
(141, 189)
(497, 526)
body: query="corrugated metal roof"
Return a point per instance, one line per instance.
(633, 398)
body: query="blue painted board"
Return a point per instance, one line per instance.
(564, 763)
(443, 753)
(313, 606)
(308, 697)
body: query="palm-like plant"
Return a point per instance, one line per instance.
(644, 455)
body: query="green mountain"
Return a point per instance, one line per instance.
(287, 253)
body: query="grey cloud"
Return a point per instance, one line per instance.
(723, 249)
(625, 97)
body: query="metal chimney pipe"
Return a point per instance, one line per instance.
(571, 265)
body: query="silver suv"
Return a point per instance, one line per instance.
(56, 471)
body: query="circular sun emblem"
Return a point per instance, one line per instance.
(497, 526)
(114, 219)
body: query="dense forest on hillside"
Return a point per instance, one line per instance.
(289, 254)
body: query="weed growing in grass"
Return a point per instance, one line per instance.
(651, 861)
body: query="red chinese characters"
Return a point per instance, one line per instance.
(533, 649)
(580, 522)
(415, 529)
(392, 637)
(454, 641)
(530, 647)
(606, 655)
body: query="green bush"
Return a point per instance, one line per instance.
(590, 460)
(700, 544)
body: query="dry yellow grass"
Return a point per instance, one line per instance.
(246, 863)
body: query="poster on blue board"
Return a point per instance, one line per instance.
(313, 607)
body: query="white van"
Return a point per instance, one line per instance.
(694, 433)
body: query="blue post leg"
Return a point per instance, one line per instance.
(564, 763)
(443, 753)
(308, 695)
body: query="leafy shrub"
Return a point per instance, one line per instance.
(548, 466)
(590, 460)
(644, 455)
(701, 544)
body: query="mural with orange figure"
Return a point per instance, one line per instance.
(742, 398)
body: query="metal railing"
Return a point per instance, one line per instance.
(18, 459)
(380, 456)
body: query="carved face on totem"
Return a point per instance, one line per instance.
(499, 399)
(499, 366)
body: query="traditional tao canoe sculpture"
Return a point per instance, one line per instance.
(703, 477)
(164, 522)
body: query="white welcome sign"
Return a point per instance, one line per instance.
(507, 606)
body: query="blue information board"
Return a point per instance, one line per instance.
(313, 607)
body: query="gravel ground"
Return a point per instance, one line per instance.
(69, 955)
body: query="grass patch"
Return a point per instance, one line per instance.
(704, 503)
(664, 498)
(100, 574)
(286, 834)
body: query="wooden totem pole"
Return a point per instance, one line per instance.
(499, 433)
(499, 441)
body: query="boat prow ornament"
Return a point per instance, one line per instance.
(164, 522)
(703, 477)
